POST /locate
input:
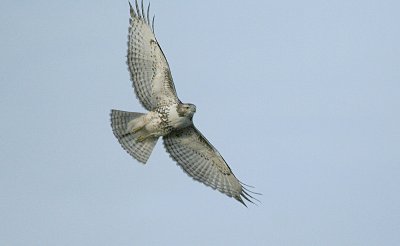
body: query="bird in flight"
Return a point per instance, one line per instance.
(167, 116)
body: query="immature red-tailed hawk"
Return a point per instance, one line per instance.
(168, 116)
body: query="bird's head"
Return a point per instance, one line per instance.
(186, 110)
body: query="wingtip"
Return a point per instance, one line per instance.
(239, 199)
(137, 9)
(247, 197)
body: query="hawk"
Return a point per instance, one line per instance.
(167, 116)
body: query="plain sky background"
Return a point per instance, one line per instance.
(302, 98)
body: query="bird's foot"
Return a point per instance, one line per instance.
(141, 138)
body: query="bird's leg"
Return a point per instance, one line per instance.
(137, 124)
(143, 137)
(135, 130)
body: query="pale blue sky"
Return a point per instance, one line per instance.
(302, 98)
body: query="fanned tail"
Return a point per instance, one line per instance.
(140, 150)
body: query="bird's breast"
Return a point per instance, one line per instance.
(177, 121)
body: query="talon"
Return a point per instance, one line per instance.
(141, 139)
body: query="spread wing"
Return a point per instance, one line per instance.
(147, 64)
(200, 160)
